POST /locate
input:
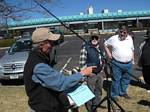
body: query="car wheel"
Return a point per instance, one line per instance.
(4, 82)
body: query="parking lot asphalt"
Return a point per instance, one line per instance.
(73, 45)
(70, 48)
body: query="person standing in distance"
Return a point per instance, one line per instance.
(91, 55)
(120, 51)
(145, 59)
(44, 85)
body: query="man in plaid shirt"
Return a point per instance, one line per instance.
(90, 55)
(83, 56)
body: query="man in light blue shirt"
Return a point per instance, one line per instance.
(45, 86)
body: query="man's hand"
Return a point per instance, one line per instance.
(88, 71)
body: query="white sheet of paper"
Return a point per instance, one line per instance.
(81, 95)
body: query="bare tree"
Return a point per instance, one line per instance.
(19, 10)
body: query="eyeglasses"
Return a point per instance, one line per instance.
(94, 37)
(124, 32)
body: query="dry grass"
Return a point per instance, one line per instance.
(140, 101)
(14, 99)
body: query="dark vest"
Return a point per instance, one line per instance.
(40, 98)
(145, 56)
(93, 58)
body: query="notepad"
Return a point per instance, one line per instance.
(81, 95)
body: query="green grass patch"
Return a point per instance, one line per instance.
(6, 42)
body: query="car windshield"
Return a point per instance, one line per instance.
(20, 46)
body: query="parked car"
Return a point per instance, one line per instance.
(12, 63)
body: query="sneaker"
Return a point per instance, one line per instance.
(126, 96)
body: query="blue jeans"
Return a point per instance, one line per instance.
(121, 78)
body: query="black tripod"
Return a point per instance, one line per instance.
(108, 97)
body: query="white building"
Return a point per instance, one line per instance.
(90, 10)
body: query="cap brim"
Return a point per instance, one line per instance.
(54, 37)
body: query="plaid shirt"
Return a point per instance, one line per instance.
(83, 56)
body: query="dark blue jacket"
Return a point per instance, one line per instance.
(44, 86)
(93, 58)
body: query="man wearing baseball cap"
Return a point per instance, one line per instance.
(44, 85)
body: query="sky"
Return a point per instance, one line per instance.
(74, 7)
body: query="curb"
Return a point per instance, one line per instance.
(2, 48)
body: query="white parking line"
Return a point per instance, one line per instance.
(63, 43)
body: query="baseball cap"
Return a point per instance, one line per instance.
(42, 34)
